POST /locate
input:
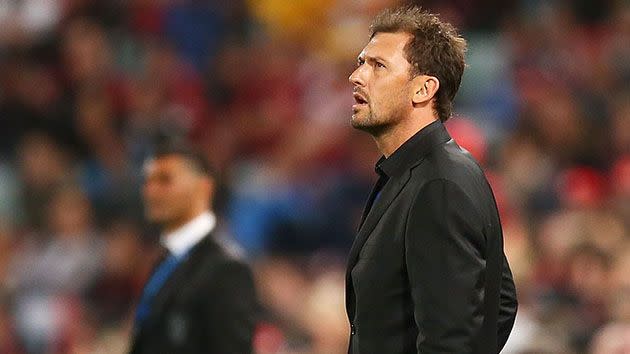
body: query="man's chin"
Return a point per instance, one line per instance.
(156, 218)
(359, 121)
(366, 124)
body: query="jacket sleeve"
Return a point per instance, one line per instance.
(507, 305)
(230, 310)
(444, 245)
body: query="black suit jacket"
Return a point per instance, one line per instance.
(207, 305)
(427, 272)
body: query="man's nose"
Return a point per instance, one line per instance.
(355, 78)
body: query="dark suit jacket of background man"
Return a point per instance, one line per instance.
(207, 305)
(427, 273)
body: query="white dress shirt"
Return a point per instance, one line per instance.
(181, 240)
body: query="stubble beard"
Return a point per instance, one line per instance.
(375, 125)
(370, 123)
(363, 123)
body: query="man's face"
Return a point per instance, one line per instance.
(171, 188)
(382, 83)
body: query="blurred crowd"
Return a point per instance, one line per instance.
(260, 86)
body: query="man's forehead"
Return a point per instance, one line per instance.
(172, 164)
(386, 44)
(161, 162)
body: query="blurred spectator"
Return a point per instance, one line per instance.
(52, 272)
(588, 274)
(614, 338)
(326, 304)
(120, 282)
(43, 167)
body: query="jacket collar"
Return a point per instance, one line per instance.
(413, 150)
(181, 240)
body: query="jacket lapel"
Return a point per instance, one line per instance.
(413, 152)
(368, 204)
(175, 281)
(389, 192)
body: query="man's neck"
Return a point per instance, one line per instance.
(389, 141)
(180, 222)
(180, 240)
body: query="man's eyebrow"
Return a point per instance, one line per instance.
(373, 58)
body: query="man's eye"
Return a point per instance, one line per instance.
(360, 62)
(380, 65)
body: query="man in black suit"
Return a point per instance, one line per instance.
(427, 272)
(200, 297)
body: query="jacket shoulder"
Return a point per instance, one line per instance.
(220, 256)
(454, 165)
(448, 162)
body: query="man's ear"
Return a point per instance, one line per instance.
(207, 186)
(424, 87)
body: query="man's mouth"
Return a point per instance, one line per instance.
(359, 99)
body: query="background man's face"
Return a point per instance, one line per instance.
(382, 83)
(171, 187)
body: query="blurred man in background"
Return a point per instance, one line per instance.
(200, 297)
(427, 272)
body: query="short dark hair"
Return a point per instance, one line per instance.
(167, 146)
(435, 49)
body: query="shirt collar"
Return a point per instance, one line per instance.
(181, 240)
(412, 150)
